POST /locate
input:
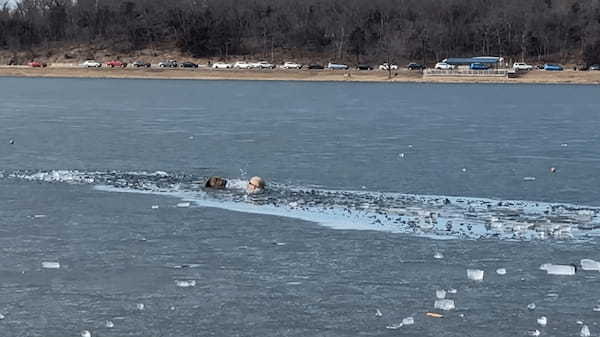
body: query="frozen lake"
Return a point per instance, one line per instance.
(367, 183)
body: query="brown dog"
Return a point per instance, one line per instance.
(216, 182)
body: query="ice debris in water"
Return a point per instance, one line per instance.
(542, 321)
(501, 271)
(50, 265)
(1, 316)
(475, 274)
(444, 305)
(140, 306)
(587, 264)
(440, 294)
(86, 333)
(185, 283)
(531, 306)
(585, 331)
(183, 204)
(558, 269)
(451, 291)
(154, 206)
(533, 333)
(378, 313)
(596, 308)
(109, 324)
(405, 321)
(438, 255)
(529, 178)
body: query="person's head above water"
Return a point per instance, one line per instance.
(256, 184)
(216, 182)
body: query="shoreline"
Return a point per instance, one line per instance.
(374, 76)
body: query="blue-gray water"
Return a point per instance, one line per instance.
(376, 157)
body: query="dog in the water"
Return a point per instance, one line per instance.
(216, 182)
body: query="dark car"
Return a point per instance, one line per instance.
(364, 67)
(595, 67)
(140, 64)
(188, 65)
(539, 67)
(315, 66)
(415, 66)
(168, 64)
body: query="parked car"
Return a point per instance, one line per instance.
(595, 67)
(188, 65)
(168, 64)
(262, 65)
(290, 65)
(522, 66)
(415, 66)
(444, 66)
(115, 63)
(552, 67)
(140, 64)
(337, 66)
(539, 67)
(479, 66)
(315, 66)
(91, 64)
(385, 66)
(242, 65)
(35, 64)
(221, 65)
(364, 67)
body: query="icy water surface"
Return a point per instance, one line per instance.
(381, 197)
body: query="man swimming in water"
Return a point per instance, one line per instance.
(255, 185)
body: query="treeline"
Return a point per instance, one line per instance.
(341, 30)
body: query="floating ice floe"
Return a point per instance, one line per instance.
(529, 178)
(587, 264)
(501, 271)
(405, 321)
(585, 331)
(438, 255)
(451, 291)
(1, 317)
(155, 206)
(531, 306)
(440, 294)
(533, 333)
(183, 204)
(542, 321)
(444, 304)
(596, 308)
(558, 269)
(185, 283)
(86, 333)
(39, 216)
(378, 313)
(475, 274)
(109, 324)
(50, 265)
(140, 306)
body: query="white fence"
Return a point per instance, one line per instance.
(467, 72)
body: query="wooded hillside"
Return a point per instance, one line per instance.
(341, 30)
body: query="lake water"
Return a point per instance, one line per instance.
(367, 182)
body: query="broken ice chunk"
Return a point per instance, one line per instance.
(1, 317)
(50, 265)
(585, 331)
(587, 264)
(155, 206)
(140, 306)
(185, 283)
(183, 204)
(501, 271)
(542, 321)
(475, 274)
(408, 321)
(440, 294)
(109, 324)
(531, 306)
(378, 313)
(444, 305)
(533, 333)
(86, 333)
(558, 269)
(438, 255)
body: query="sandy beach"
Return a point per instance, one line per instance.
(563, 77)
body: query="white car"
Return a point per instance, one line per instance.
(262, 65)
(221, 65)
(91, 64)
(290, 65)
(385, 66)
(522, 66)
(242, 65)
(444, 66)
